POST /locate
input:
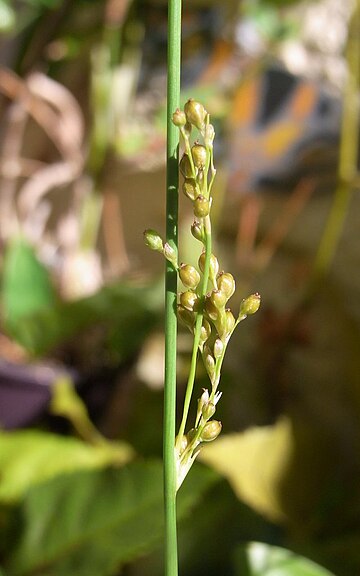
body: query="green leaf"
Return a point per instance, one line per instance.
(27, 288)
(30, 457)
(257, 559)
(89, 523)
(254, 462)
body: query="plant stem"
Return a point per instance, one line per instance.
(172, 184)
(198, 324)
(347, 171)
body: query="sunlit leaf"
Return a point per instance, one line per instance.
(29, 457)
(257, 559)
(254, 462)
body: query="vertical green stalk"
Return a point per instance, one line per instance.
(347, 171)
(172, 182)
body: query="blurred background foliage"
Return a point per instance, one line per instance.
(82, 149)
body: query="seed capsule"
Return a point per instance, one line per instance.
(195, 113)
(209, 364)
(211, 431)
(205, 331)
(189, 276)
(183, 443)
(189, 300)
(185, 167)
(218, 298)
(208, 410)
(153, 240)
(230, 321)
(250, 305)
(226, 283)
(211, 310)
(214, 264)
(186, 317)
(201, 206)
(197, 231)
(179, 118)
(189, 188)
(199, 155)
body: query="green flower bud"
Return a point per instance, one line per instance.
(199, 155)
(201, 206)
(179, 118)
(226, 283)
(170, 254)
(218, 348)
(197, 230)
(208, 410)
(209, 135)
(250, 305)
(211, 431)
(186, 317)
(185, 167)
(205, 331)
(189, 188)
(214, 264)
(153, 240)
(191, 435)
(195, 113)
(189, 300)
(189, 276)
(218, 298)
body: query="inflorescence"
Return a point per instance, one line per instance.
(203, 305)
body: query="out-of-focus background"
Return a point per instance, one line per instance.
(82, 174)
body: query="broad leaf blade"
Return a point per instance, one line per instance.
(89, 523)
(30, 457)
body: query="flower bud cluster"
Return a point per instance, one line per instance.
(206, 290)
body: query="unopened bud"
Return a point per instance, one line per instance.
(153, 240)
(189, 300)
(226, 283)
(199, 155)
(189, 188)
(218, 298)
(208, 410)
(209, 364)
(218, 348)
(185, 167)
(250, 305)
(183, 443)
(209, 135)
(186, 317)
(197, 230)
(195, 113)
(170, 254)
(189, 276)
(201, 206)
(179, 118)
(210, 431)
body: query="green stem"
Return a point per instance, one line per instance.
(172, 184)
(348, 154)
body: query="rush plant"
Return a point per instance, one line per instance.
(202, 301)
